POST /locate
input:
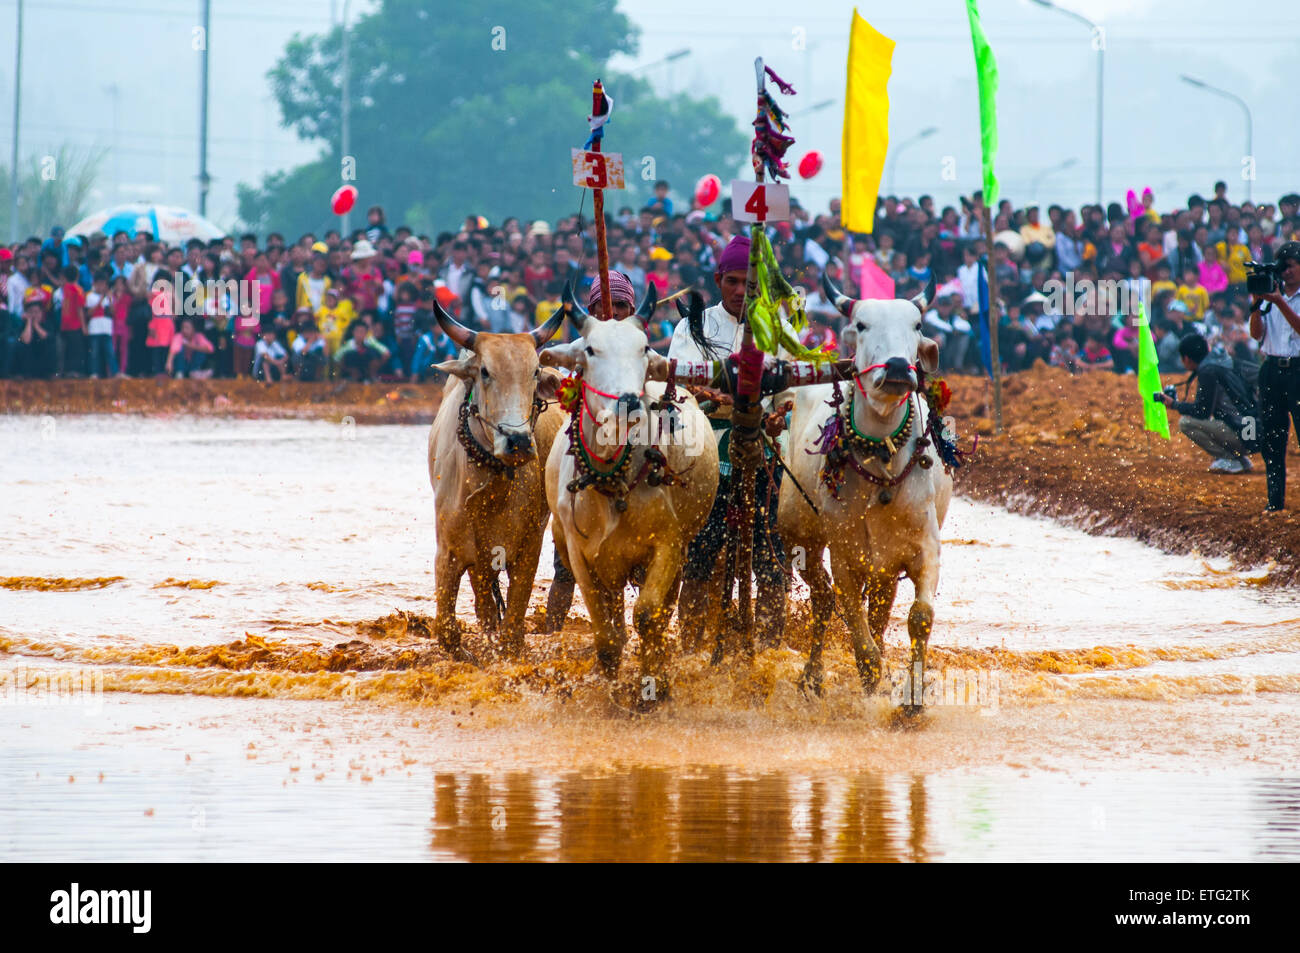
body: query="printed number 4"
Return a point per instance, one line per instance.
(757, 204)
(596, 178)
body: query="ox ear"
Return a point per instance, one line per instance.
(548, 382)
(657, 370)
(561, 355)
(928, 354)
(922, 301)
(465, 369)
(647, 309)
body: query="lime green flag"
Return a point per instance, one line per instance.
(987, 68)
(1149, 377)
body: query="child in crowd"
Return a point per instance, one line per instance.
(188, 352)
(99, 326)
(269, 356)
(72, 327)
(162, 326)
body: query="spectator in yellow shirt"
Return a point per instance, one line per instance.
(1034, 232)
(1193, 294)
(1233, 257)
(1163, 280)
(333, 319)
(312, 285)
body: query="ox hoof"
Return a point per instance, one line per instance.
(459, 653)
(908, 718)
(810, 680)
(608, 662)
(869, 675)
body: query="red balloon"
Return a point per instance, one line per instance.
(707, 190)
(343, 200)
(810, 164)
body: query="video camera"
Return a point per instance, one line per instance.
(1263, 278)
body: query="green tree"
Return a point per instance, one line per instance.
(52, 190)
(459, 110)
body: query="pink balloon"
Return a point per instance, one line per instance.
(810, 164)
(343, 200)
(707, 190)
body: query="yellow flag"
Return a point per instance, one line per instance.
(866, 123)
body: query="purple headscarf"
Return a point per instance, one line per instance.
(735, 257)
(620, 289)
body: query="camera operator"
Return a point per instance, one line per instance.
(1214, 420)
(1278, 331)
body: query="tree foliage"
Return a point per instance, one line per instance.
(52, 190)
(459, 109)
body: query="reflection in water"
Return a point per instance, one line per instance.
(648, 814)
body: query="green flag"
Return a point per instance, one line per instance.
(1149, 377)
(987, 68)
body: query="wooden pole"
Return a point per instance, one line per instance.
(746, 418)
(993, 323)
(598, 209)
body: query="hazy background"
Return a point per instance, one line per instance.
(121, 75)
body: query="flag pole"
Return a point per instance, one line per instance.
(746, 419)
(994, 321)
(598, 209)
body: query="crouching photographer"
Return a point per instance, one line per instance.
(1275, 323)
(1217, 420)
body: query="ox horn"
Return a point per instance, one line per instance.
(922, 301)
(841, 301)
(462, 335)
(648, 304)
(569, 304)
(547, 331)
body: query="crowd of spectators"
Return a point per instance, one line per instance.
(360, 306)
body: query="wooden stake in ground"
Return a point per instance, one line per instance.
(994, 321)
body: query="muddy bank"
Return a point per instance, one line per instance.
(381, 403)
(1073, 449)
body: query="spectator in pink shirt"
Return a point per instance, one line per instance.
(188, 352)
(1213, 275)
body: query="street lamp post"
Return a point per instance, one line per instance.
(1059, 167)
(345, 106)
(925, 133)
(1099, 40)
(13, 165)
(204, 180)
(1250, 123)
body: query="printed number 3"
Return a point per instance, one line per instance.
(757, 205)
(596, 177)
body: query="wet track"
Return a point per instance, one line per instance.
(250, 594)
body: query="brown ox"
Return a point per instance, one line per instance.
(485, 469)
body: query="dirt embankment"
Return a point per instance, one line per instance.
(1073, 448)
(392, 403)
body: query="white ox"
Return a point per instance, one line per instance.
(875, 531)
(635, 529)
(485, 466)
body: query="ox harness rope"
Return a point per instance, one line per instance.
(478, 454)
(840, 439)
(613, 482)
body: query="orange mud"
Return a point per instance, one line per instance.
(56, 583)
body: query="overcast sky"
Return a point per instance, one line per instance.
(83, 56)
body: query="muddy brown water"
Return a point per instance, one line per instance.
(210, 649)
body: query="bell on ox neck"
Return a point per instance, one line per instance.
(885, 496)
(621, 505)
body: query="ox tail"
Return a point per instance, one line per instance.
(496, 594)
